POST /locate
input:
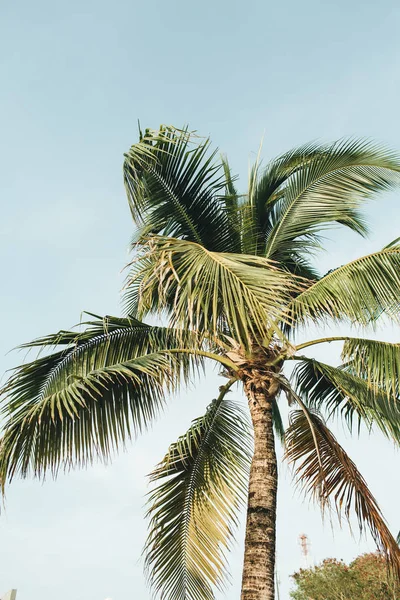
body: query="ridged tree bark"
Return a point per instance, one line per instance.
(258, 581)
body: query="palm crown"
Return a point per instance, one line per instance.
(233, 278)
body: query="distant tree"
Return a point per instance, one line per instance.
(366, 578)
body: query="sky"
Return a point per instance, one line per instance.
(76, 76)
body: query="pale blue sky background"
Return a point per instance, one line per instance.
(75, 77)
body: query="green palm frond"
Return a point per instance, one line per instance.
(251, 219)
(326, 472)
(231, 200)
(301, 266)
(360, 292)
(141, 272)
(83, 402)
(265, 189)
(209, 290)
(376, 362)
(176, 188)
(328, 188)
(338, 390)
(200, 485)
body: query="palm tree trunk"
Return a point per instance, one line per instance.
(258, 581)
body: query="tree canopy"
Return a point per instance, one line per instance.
(365, 578)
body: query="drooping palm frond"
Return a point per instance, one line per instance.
(327, 188)
(211, 291)
(83, 402)
(326, 472)
(337, 391)
(200, 485)
(176, 188)
(376, 362)
(360, 292)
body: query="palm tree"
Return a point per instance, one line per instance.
(232, 278)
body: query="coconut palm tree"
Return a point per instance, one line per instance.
(233, 280)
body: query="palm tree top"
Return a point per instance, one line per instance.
(177, 187)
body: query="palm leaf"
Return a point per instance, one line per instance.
(231, 200)
(359, 292)
(265, 189)
(208, 290)
(325, 471)
(334, 391)
(175, 188)
(86, 400)
(200, 485)
(327, 188)
(376, 362)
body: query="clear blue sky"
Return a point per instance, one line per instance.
(75, 78)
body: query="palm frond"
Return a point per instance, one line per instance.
(378, 363)
(301, 266)
(326, 472)
(84, 401)
(359, 292)
(176, 188)
(265, 189)
(209, 290)
(327, 189)
(231, 201)
(200, 485)
(339, 391)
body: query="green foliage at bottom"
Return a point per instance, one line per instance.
(366, 578)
